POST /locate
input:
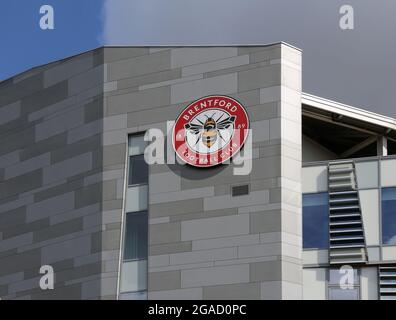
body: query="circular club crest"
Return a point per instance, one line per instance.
(210, 131)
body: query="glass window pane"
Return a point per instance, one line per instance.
(389, 216)
(138, 170)
(337, 274)
(136, 145)
(343, 294)
(134, 276)
(136, 198)
(135, 243)
(315, 220)
(141, 295)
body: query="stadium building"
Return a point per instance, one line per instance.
(315, 217)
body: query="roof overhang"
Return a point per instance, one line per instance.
(347, 131)
(348, 116)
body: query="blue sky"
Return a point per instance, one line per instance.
(24, 45)
(356, 67)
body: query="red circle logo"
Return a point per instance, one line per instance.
(210, 131)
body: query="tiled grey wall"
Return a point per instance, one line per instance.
(52, 194)
(205, 244)
(64, 129)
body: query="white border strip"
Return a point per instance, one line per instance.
(349, 111)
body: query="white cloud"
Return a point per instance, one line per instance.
(392, 240)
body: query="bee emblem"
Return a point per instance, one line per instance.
(208, 131)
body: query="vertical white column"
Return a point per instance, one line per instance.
(382, 146)
(291, 167)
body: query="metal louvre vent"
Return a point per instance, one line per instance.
(387, 282)
(346, 233)
(240, 190)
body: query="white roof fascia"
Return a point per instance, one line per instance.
(348, 111)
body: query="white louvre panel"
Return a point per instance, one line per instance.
(387, 282)
(346, 233)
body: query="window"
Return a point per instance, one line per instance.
(336, 278)
(138, 170)
(389, 216)
(133, 284)
(136, 236)
(315, 221)
(136, 198)
(140, 295)
(343, 294)
(136, 144)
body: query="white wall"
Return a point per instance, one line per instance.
(369, 283)
(314, 179)
(367, 174)
(388, 173)
(369, 201)
(314, 284)
(315, 257)
(389, 253)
